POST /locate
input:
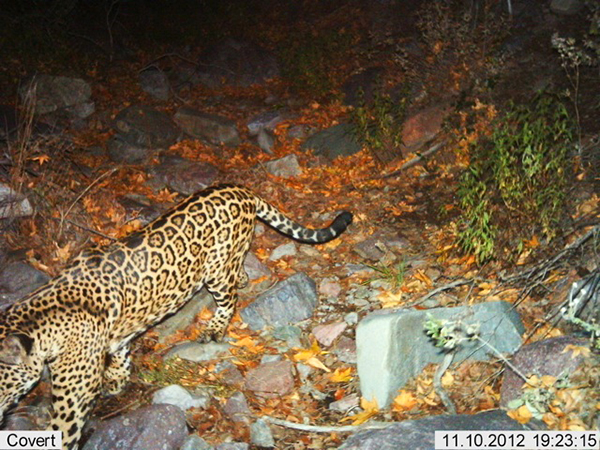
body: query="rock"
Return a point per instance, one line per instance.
(229, 373)
(289, 301)
(17, 280)
(236, 407)
(212, 128)
(54, 93)
(236, 63)
(183, 175)
(120, 150)
(286, 167)
(195, 442)
(197, 352)
(266, 141)
(345, 404)
(267, 120)
(375, 247)
(271, 380)
(156, 83)
(566, 7)
(345, 350)
(156, 427)
(288, 249)
(339, 140)
(329, 287)
(392, 346)
(351, 318)
(232, 446)
(260, 434)
(184, 317)
(326, 334)
(254, 268)
(545, 357)
(178, 396)
(423, 126)
(290, 334)
(13, 204)
(144, 126)
(420, 434)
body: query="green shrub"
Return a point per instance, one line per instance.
(515, 185)
(378, 125)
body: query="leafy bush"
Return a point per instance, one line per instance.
(516, 182)
(379, 125)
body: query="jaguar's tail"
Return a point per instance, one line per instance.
(273, 217)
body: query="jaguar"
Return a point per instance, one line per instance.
(82, 322)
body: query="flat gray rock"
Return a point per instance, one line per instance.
(392, 346)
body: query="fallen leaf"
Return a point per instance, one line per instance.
(577, 350)
(370, 409)
(521, 415)
(404, 401)
(341, 375)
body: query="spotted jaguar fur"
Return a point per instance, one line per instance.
(81, 323)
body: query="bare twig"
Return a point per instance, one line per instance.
(83, 227)
(438, 290)
(371, 425)
(421, 157)
(437, 383)
(539, 271)
(96, 181)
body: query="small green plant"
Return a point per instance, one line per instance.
(379, 125)
(517, 179)
(172, 371)
(394, 275)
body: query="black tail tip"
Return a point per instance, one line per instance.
(341, 222)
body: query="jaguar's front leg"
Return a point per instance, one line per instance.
(76, 380)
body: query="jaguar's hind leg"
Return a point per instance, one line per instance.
(117, 371)
(225, 296)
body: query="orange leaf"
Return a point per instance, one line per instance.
(521, 415)
(341, 375)
(405, 401)
(577, 350)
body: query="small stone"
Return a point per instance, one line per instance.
(229, 373)
(326, 334)
(345, 350)
(197, 352)
(271, 380)
(351, 318)
(286, 167)
(260, 434)
(345, 404)
(237, 408)
(288, 249)
(288, 333)
(195, 442)
(180, 397)
(330, 287)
